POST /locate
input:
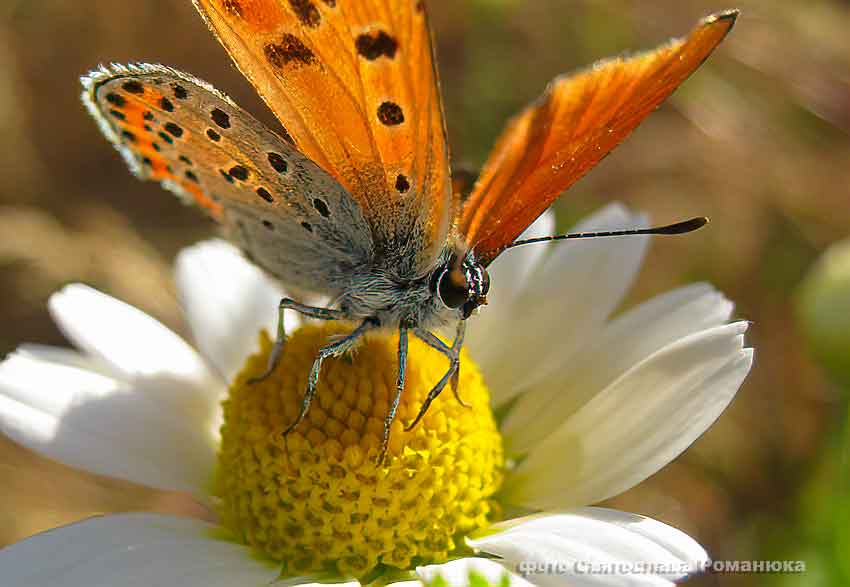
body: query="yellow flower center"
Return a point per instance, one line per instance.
(317, 500)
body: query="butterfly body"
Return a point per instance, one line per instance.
(391, 298)
(353, 200)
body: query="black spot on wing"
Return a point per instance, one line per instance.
(306, 12)
(173, 129)
(220, 117)
(133, 87)
(264, 194)
(289, 51)
(278, 163)
(213, 136)
(402, 184)
(239, 172)
(166, 105)
(116, 100)
(180, 92)
(377, 44)
(390, 114)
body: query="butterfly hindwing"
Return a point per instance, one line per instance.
(576, 123)
(354, 84)
(285, 212)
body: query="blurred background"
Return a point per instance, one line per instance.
(758, 139)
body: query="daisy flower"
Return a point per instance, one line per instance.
(563, 406)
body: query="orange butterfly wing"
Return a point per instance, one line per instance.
(354, 84)
(576, 123)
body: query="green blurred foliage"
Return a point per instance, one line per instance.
(824, 310)
(758, 139)
(820, 523)
(822, 519)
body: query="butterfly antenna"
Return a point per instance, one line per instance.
(677, 228)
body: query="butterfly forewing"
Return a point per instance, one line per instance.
(578, 121)
(355, 86)
(284, 211)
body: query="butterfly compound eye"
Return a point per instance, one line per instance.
(453, 287)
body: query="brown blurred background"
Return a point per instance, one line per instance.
(759, 140)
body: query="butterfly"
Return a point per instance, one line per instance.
(354, 198)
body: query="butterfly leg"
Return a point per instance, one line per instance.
(453, 354)
(333, 349)
(456, 346)
(399, 388)
(280, 341)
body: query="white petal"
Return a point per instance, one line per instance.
(566, 300)
(69, 357)
(227, 302)
(594, 546)
(132, 550)
(623, 343)
(637, 425)
(123, 336)
(509, 275)
(93, 422)
(457, 573)
(676, 542)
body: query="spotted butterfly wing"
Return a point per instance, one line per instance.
(576, 123)
(285, 212)
(355, 86)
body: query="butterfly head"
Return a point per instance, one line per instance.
(461, 284)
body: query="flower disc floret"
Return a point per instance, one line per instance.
(317, 500)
